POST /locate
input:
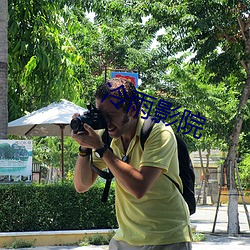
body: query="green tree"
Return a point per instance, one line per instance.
(42, 57)
(56, 52)
(191, 88)
(3, 69)
(47, 150)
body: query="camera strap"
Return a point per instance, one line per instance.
(107, 175)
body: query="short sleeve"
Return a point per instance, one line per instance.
(160, 149)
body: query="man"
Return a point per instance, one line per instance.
(150, 210)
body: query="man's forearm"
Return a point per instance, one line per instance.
(84, 177)
(137, 182)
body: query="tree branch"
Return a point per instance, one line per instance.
(244, 65)
(247, 24)
(223, 33)
(242, 29)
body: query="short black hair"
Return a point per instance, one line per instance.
(104, 90)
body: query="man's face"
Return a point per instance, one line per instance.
(117, 120)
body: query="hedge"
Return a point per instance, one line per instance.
(36, 207)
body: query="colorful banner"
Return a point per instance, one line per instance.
(133, 77)
(16, 157)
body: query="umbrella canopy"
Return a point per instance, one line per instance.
(52, 120)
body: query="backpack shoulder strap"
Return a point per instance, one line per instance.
(146, 129)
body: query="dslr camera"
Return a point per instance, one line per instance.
(92, 117)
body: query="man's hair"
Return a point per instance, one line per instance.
(105, 90)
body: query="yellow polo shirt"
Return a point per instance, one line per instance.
(161, 216)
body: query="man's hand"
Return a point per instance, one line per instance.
(88, 138)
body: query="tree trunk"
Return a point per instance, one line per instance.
(3, 69)
(233, 218)
(204, 199)
(233, 215)
(207, 172)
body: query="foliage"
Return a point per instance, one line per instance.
(56, 52)
(209, 30)
(97, 239)
(197, 237)
(47, 150)
(54, 207)
(19, 244)
(102, 240)
(244, 167)
(43, 55)
(191, 88)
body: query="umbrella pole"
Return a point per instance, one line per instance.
(62, 126)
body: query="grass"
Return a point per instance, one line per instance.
(197, 237)
(19, 244)
(97, 239)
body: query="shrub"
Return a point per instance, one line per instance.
(58, 206)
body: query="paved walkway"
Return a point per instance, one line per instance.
(203, 219)
(205, 215)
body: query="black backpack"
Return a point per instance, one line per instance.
(185, 166)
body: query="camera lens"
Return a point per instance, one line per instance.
(76, 124)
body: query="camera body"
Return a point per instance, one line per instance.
(92, 117)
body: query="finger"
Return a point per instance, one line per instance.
(75, 115)
(88, 128)
(79, 139)
(74, 135)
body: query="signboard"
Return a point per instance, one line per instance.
(133, 77)
(16, 157)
